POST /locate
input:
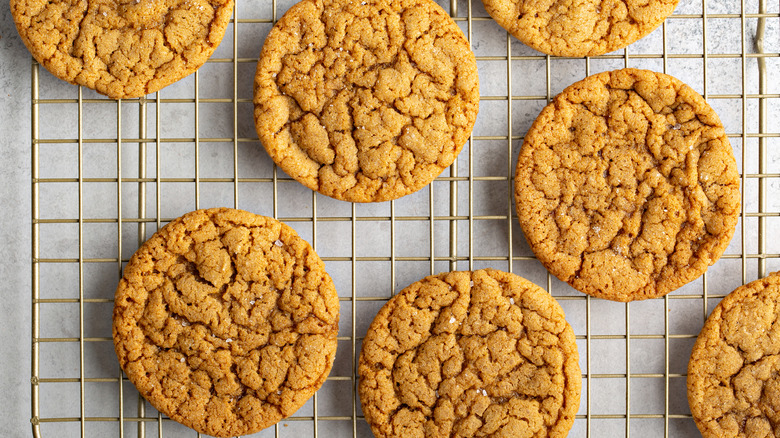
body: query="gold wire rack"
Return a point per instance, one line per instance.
(106, 174)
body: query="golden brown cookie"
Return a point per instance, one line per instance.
(465, 354)
(626, 186)
(226, 321)
(365, 100)
(734, 371)
(579, 28)
(122, 48)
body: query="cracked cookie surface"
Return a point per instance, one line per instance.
(365, 100)
(626, 186)
(470, 354)
(734, 371)
(121, 48)
(226, 321)
(579, 27)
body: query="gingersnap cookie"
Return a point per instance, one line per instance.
(365, 100)
(226, 321)
(626, 186)
(123, 48)
(734, 371)
(464, 354)
(579, 28)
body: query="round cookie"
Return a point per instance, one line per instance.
(462, 354)
(626, 186)
(124, 48)
(365, 100)
(226, 321)
(734, 371)
(579, 28)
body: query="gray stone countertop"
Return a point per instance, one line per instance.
(14, 230)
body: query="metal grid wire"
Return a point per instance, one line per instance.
(106, 174)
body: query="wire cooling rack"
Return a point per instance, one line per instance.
(106, 174)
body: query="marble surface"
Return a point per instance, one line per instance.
(14, 230)
(217, 161)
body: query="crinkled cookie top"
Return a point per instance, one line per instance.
(734, 371)
(368, 100)
(470, 354)
(121, 48)
(626, 186)
(579, 27)
(226, 321)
